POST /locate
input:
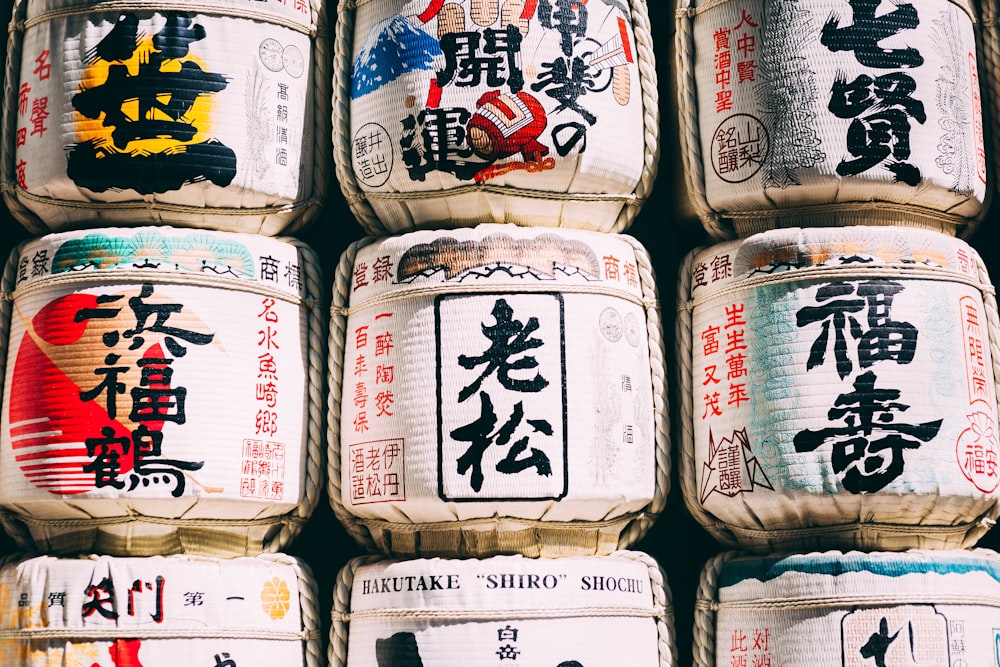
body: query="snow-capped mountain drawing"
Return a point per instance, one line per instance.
(394, 47)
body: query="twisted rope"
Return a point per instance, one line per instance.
(987, 44)
(308, 607)
(321, 122)
(703, 648)
(662, 599)
(650, 114)
(316, 358)
(340, 626)
(342, 46)
(687, 116)
(993, 330)
(335, 380)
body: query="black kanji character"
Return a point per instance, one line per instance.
(102, 600)
(878, 644)
(509, 337)
(479, 436)
(864, 35)
(107, 452)
(868, 464)
(467, 67)
(162, 311)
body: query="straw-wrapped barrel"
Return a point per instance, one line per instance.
(497, 389)
(163, 392)
(854, 609)
(453, 114)
(598, 611)
(101, 611)
(190, 113)
(839, 390)
(831, 112)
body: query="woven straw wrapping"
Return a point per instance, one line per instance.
(600, 183)
(782, 85)
(475, 601)
(217, 515)
(160, 610)
(587, 517)
(833, 608)
(793, 492)
(258, 192)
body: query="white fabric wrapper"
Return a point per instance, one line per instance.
(840, 389)
(222, 425)
(802, 113)
(850, 609)
(560, 342)
(181, 112)
(454, 114)
(593, 611)
(101, 611)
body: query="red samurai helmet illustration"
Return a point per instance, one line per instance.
(505, 123)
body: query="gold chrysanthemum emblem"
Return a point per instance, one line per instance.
(276, 598)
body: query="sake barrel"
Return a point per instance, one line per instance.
(158, 612)
(600, 611)
(839, 390)
(849, 609)
(187, 113)
(451, 114)
(497, 389)
(831, 112)
(163, 392)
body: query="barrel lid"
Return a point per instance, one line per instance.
(161, 253)
(503, 254)
(945, 573)
(812, 253)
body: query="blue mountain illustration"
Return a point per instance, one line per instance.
(393, 47)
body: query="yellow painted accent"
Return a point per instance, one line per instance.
(199, 115)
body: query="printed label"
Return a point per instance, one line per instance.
(378, 471)
(498, 88)
(501, 397)
(905, 635)
(116, 385)
(162, 102)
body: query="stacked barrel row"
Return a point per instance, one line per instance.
(837, 345)
(164, 351)
(498, 409)
(183, 353)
